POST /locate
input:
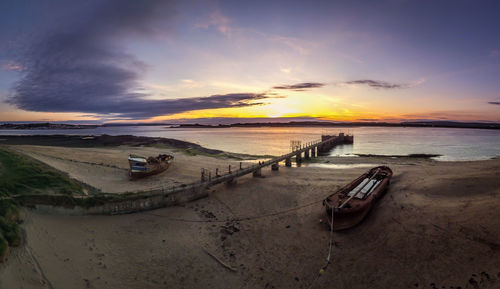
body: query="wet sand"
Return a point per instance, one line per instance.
(437, 227)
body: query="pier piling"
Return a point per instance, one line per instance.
(162, 197)
(310, 149)
(257, 172)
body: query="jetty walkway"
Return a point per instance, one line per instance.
(104, 203)
(300, 152)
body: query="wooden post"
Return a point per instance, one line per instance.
(202, 175)
(288, 162)
(275, 167)
(217, 172)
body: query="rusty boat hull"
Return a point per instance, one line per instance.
(141, 167)
(353, 202)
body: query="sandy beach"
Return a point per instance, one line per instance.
(107, 168)
(438, 226)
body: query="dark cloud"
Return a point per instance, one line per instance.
(82, 67)
(300, 86)
(135, 107)
(376, 84)
(494, 102)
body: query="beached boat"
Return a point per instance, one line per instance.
(351, 203)
(142, 167)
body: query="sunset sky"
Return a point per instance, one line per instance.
(124, 60)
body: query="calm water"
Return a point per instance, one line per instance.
(452, 144)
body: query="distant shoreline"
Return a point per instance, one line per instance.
(494, 126)
(431, 124)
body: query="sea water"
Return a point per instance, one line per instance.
(450, 144)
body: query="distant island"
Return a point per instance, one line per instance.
(442, 124)
(46, 125)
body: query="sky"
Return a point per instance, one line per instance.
(166, 61)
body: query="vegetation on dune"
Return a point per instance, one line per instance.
(9, 210)
(225, 155)
(22, 175)
(194, 151)
(11, 232)
(4, 248)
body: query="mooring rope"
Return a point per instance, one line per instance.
(237, 219)
(322, 270)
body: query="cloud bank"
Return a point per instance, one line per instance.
(376, 84)
(494, 102)
(300, 86)
(82, 67)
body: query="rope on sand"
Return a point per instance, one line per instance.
(322, 270)
(237, 219)
(328, 258)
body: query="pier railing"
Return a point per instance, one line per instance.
(309, 149)
(161, 197)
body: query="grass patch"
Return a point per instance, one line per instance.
(23, 175)
(224, 155)
(193, 151)
(9, 210)
(159, 145)
(11, 232)
(4, 248)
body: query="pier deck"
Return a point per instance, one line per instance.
(161, 197)
(310, 149)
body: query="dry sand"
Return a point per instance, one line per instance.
(437, 227)
(107, 168)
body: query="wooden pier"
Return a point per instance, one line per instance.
(163, 197)
(306, 151)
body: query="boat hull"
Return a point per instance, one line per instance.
(355, 210)
(141, 167)
(141, 174)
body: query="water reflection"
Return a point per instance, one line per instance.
(450, 143)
